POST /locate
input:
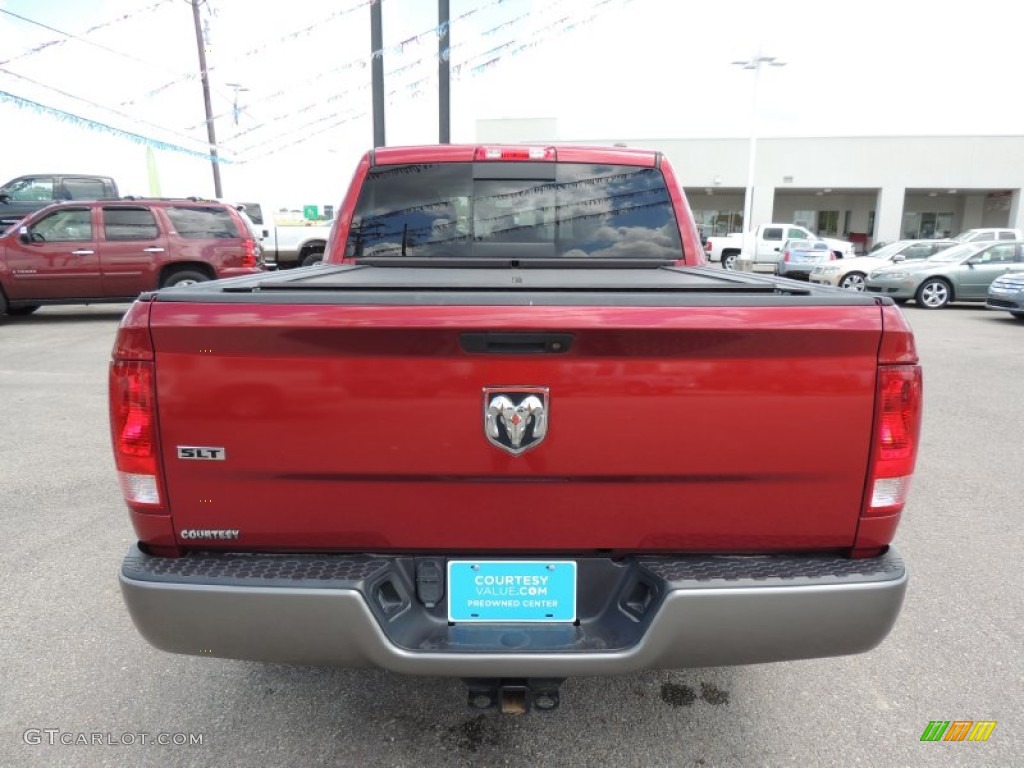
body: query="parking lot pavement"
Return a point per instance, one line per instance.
(71, 662)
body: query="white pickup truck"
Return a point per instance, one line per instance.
(768, 240)
(291, 243)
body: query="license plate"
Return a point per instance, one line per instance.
(511, 590)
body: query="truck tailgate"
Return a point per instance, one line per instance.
(669, 428)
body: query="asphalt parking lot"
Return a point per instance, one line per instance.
(71, 662)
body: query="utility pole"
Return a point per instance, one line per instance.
(210, 133)
(444, 107)
(377, 72)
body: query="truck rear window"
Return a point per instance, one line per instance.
(521, 210)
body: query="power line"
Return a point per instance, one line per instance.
(102, 47)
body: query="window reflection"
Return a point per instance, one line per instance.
(588, 211)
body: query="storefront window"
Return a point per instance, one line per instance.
(927, 225)
(828, 223)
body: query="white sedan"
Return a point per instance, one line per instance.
(850, 273)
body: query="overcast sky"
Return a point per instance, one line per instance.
(613, 69)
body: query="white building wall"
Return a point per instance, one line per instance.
(890, 175)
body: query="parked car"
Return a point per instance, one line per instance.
(254, 231)
(961, 273)
(296, 244)
(27, 194)
(799, 257)
(1007, 293)
(851, 273)
(109, 251)
(988, 233)
(766, 243)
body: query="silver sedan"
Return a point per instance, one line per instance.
(1007, 293)
(961, 273)
(851, 273)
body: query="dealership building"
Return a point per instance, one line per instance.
(864, 188)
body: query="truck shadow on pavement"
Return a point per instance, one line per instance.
(401, 718)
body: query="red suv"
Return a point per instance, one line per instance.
(107, 251)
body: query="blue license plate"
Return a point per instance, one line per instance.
(511, 590)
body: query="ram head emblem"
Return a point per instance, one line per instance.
(515, 418)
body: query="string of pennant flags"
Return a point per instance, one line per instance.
(110, 130)
(95, 28)
(91, 43)
(436, 31)
(306, 135)
(291, 36)
(363, 61)
(413, 89)
(127, 16)
(416, 88)
(110, 110)
(472, 66)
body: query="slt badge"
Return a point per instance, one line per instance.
(515, 418)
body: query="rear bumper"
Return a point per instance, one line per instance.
(642, 613)
(797, 269)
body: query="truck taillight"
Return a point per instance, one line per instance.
(707, 246)
(249, 252)
(514, 153)
(133, 427)
(133, 430)
(896, 434)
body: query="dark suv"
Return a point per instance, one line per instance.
(27, 194)
(109, 251)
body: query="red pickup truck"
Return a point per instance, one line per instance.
(514, 430)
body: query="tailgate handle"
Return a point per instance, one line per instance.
(516, 343)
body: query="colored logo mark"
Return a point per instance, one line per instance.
(958, 730)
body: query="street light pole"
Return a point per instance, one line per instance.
(238, 88)
(746, 260)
